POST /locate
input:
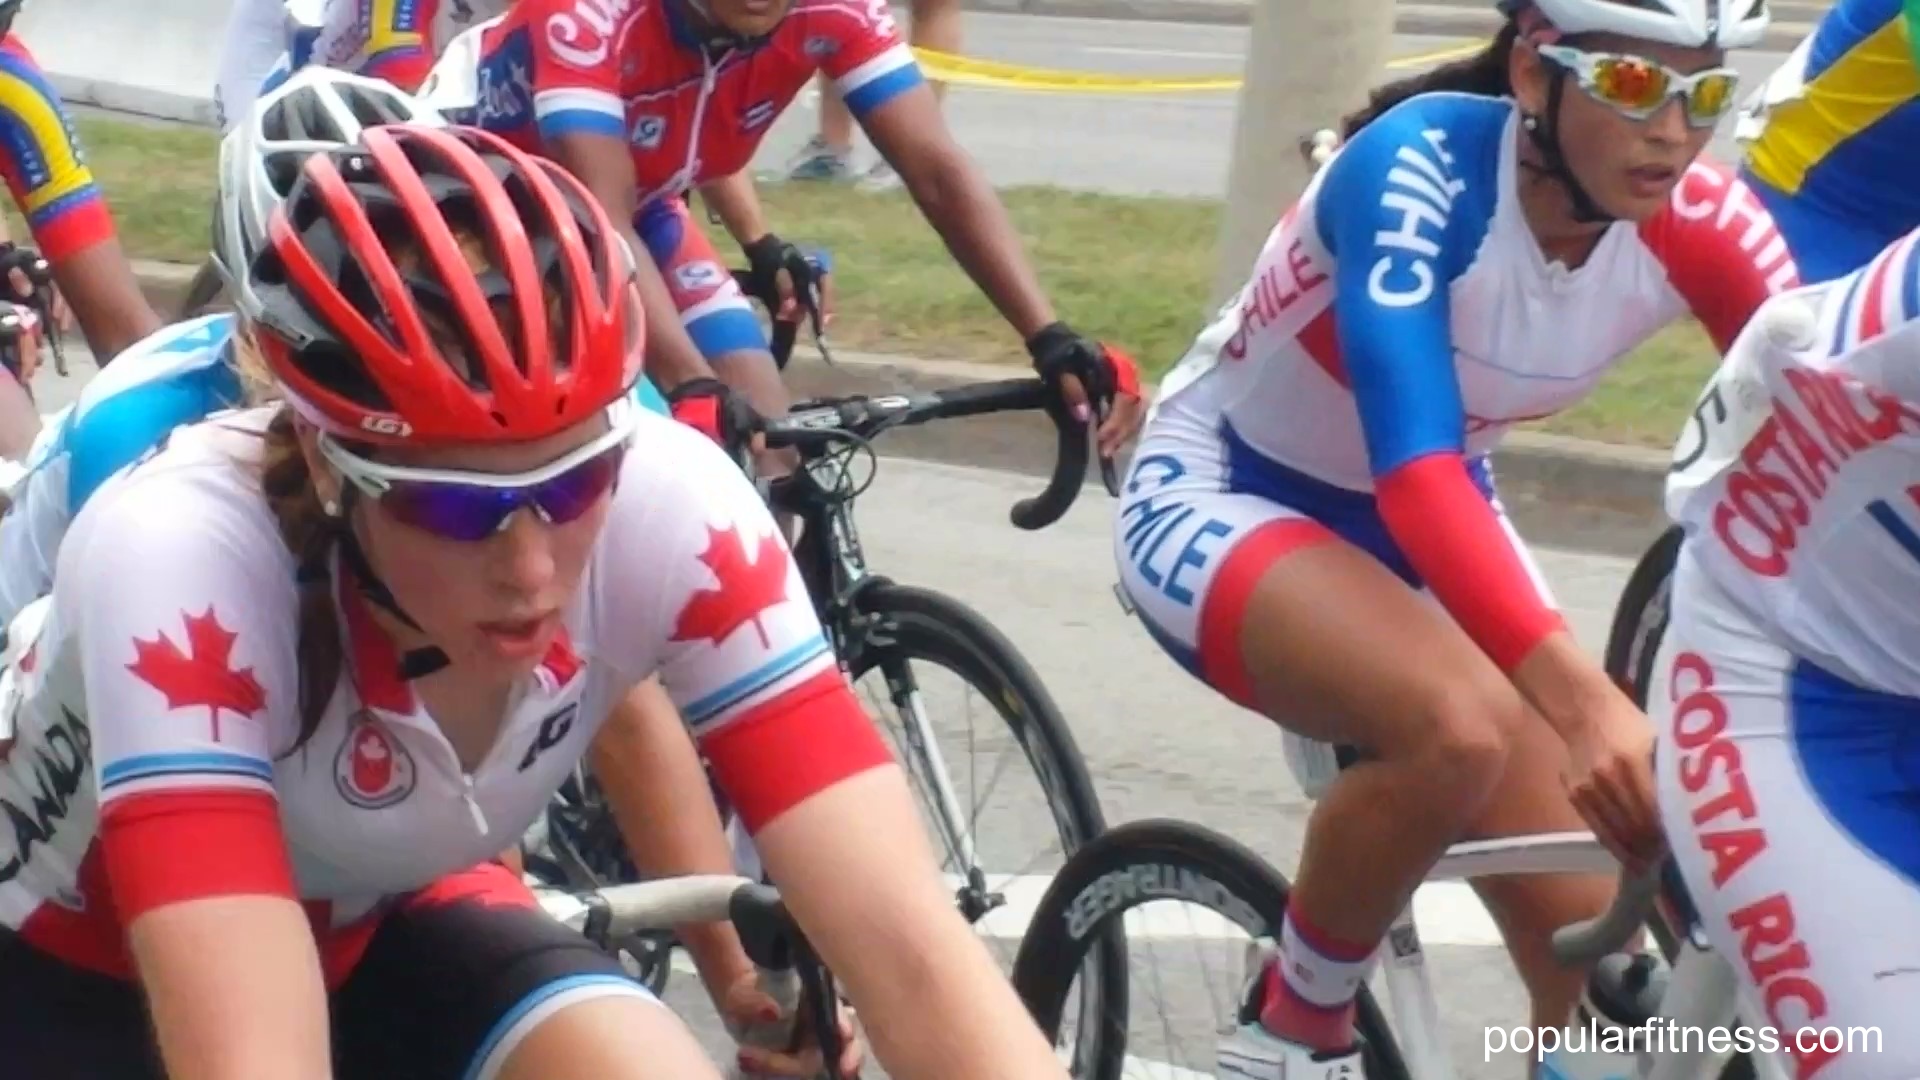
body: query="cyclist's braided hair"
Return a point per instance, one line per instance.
(1484, 73)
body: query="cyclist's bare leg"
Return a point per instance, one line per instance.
(1337, 648)
(19, 420)
(1529, 908)
(936, 26)
(610, 1038)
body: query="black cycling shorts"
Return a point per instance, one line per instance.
(452, 980)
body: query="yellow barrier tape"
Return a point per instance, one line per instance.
(992, 74)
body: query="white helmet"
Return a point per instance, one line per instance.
(1724, 24)
(316, 109)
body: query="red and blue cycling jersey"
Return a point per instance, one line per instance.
(40, 160)
(633, 70)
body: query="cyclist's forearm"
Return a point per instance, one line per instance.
(100, 287)
(963, 208)
(646, 763)
(204, 963)
(929, 994)
(737, 203)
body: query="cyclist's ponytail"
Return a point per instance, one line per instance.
(1484, 73)
(309, 533)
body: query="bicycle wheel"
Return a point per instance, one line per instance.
(901, 633)
(1143, 862)
(1640, 618)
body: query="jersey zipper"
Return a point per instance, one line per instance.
(473, 803)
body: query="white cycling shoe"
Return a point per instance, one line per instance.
(1254, 1053)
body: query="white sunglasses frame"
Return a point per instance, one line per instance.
(374, 479)
(1584, 65)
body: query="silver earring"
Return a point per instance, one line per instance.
(330, 508)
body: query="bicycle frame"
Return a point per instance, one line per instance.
(833, 564)
(1702, 993)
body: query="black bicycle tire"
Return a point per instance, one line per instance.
(1051, 953)
(202, 291)
(1628, 660)
(919, 622)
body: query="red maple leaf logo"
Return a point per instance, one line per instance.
(745, 589)
(203, 675)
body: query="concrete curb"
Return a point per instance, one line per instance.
(1596, 496)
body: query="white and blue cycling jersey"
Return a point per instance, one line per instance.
(178, 375)
(175, 376)
(1400, 319)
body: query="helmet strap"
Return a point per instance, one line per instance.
(414, 663)
(1544, 131)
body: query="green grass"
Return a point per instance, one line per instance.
(1135, 271)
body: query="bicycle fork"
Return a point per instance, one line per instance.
(975, 899)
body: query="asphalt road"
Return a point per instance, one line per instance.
(1176, 144)
(1157, 743)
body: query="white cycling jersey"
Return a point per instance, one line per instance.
(1787, 689)
(256, 37)
(1795, 477)
(176, 375)
(1400, 319)
(164, 666)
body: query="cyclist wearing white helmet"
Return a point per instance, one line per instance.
(1310, 525)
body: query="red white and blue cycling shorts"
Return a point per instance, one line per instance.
(1791, 802)
(717, 315)
(1203, 515)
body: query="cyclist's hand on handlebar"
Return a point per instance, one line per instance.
(1610, 782)
(1096, 379)
(718, 411)
(27, 346)
(781, 270)
(23, 291)
(745, 1004)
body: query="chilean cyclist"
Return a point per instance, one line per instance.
(1833, 134)
(311, 663)
(1788, 689)
(185, 372)
(1309, 524)
(44, 168)
(645, 101)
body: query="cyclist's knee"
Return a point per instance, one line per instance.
(1461, 743)
(609, 1036)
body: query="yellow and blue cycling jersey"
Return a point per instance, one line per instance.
(1835, 159)
(41, 162)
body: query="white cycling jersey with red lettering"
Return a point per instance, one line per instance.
(1400, 319)
(633, 70)
(1798, 477)
(164, 666)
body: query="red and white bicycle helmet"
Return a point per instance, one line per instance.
(1722, 24)
(345, 326)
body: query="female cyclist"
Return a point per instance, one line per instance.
(643, 101)
(309, 665)
(1483, 247)
(185, 372)
(1788, 699)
